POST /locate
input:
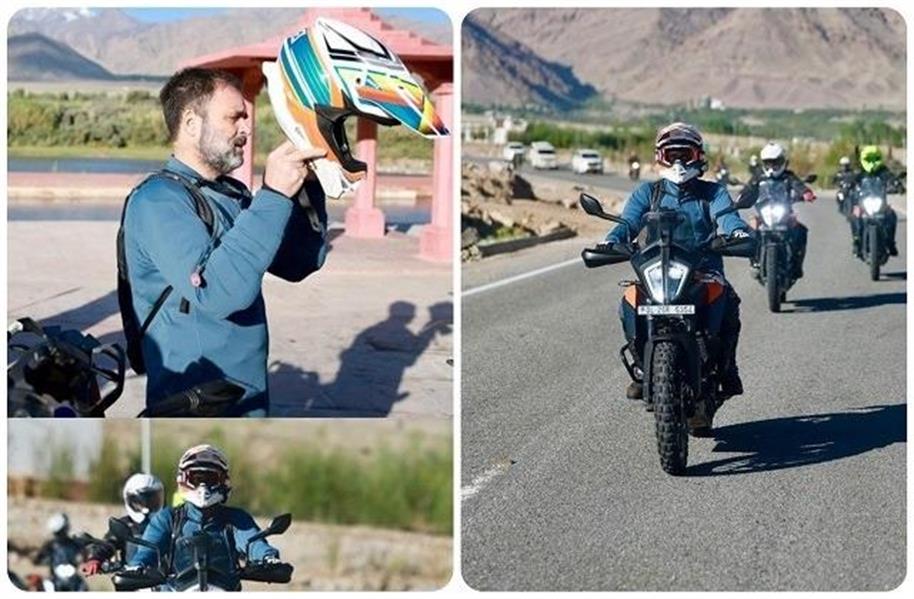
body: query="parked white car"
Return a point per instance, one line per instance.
(513, 149)
(542, 155)
(587, 161)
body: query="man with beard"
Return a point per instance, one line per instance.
(195, 244)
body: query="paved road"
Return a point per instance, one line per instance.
(564, 173)
(802, 488)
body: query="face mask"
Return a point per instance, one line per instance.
(679, 174)
(203, 496)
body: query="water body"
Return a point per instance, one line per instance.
(397, 216)
(82, 165)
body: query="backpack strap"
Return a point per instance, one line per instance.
(204, 212)
(656, 194)
(178, 518)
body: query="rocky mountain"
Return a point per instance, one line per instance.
(125, 45)
(34, 57)
(746, 57)
(500, 70)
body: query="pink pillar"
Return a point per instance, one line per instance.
(436, 239)
(362, 218)
(251, 84)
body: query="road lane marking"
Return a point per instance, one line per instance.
(520, 277)
(484, 479)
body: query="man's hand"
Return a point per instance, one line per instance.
(287, 167)
(809, 196)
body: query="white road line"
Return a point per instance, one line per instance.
(520, 277)
(482, 480)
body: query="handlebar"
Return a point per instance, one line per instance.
(134, 580)
(267, 572)
(209, 399)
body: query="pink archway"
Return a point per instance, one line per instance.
(433, 63)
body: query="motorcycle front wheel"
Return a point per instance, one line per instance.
(873, 241)
(772, 281)
(669, 411)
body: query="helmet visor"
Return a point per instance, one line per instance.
(211, 478)
(669, 155)
(773, 165)
(146, 501)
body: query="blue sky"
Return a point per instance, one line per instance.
(159, 15)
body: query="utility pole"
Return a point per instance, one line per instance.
(146, 444)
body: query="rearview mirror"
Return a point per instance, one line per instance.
(591, 205)
(810, 178)
(279, 525)
(118, 529)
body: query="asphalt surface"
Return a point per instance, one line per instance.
(564, 173)
(801, 488)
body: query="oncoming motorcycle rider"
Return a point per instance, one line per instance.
(144, 495)
(679, 151)
(62, 553)
(204, 483)
(872, 165)
(774, 166)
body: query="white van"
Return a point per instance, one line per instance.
(542, 155)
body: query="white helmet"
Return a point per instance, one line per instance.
(774, 159)
(143, 494)
(332, 71)
(58, 524)
(203, 476)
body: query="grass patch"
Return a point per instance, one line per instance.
(409, 488)
(130, 126)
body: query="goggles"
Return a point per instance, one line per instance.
(210, 478)
(684, 154)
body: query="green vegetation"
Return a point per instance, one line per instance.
(60, 474)
(816, 139)
(408, 488)
(99, 125)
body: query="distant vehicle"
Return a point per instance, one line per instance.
(587, 161)
(542, 155)
(513, 151)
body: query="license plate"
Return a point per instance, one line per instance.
(666, 310)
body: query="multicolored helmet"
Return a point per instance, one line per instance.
(203, 476)
(870, 158)
(332, 71)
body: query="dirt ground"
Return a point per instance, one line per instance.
(326, 557)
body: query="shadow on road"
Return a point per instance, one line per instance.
(834, 304)
(370, 373)
(803, 440)
(897, 276)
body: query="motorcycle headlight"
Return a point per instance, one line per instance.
(773, 213)
(665, 291)
(64, 571)
(872, 204)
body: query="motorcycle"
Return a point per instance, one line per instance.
(682, 349)
(63, 373)
(869, 215)
(774, 264)
(634, 170)
(202, 561)
(843, 197)
(65, 577)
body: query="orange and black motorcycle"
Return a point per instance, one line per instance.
(681, 347)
